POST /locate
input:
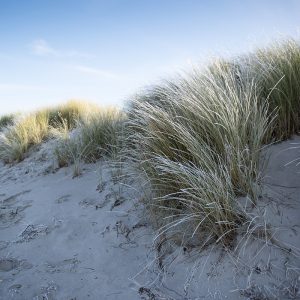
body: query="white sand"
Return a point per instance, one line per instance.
(61, 238)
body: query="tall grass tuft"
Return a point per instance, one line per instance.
(28, 131)
(97, 136)
(199, 137)
(34, 128)
(100, 133)
(277, 69)
(70, 113)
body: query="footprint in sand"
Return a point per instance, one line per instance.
(9, 264)
(66, 265)
(32, 232)
(11, 212)
(47, 292)
(88, 202)
(12, 198)
(63, 199)
(91, 202)
(15, 288)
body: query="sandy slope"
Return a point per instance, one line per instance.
(64, 238)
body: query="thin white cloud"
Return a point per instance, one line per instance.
(41, 47)
(96, 72)
(20, 87)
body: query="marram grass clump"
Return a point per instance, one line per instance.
(199, 138)
(201, 149)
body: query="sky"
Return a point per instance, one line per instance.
(106, 51)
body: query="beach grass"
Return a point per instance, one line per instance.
(277, 70)
(199, 137)
(34, 128)
(95, 137)
(6, 120)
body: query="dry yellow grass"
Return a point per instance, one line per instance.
(32, 129)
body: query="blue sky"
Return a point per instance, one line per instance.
(104, 51)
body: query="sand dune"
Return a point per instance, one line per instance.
(86, 238)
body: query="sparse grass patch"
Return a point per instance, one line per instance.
(6, 120)
(100, 133)
(97, 136)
